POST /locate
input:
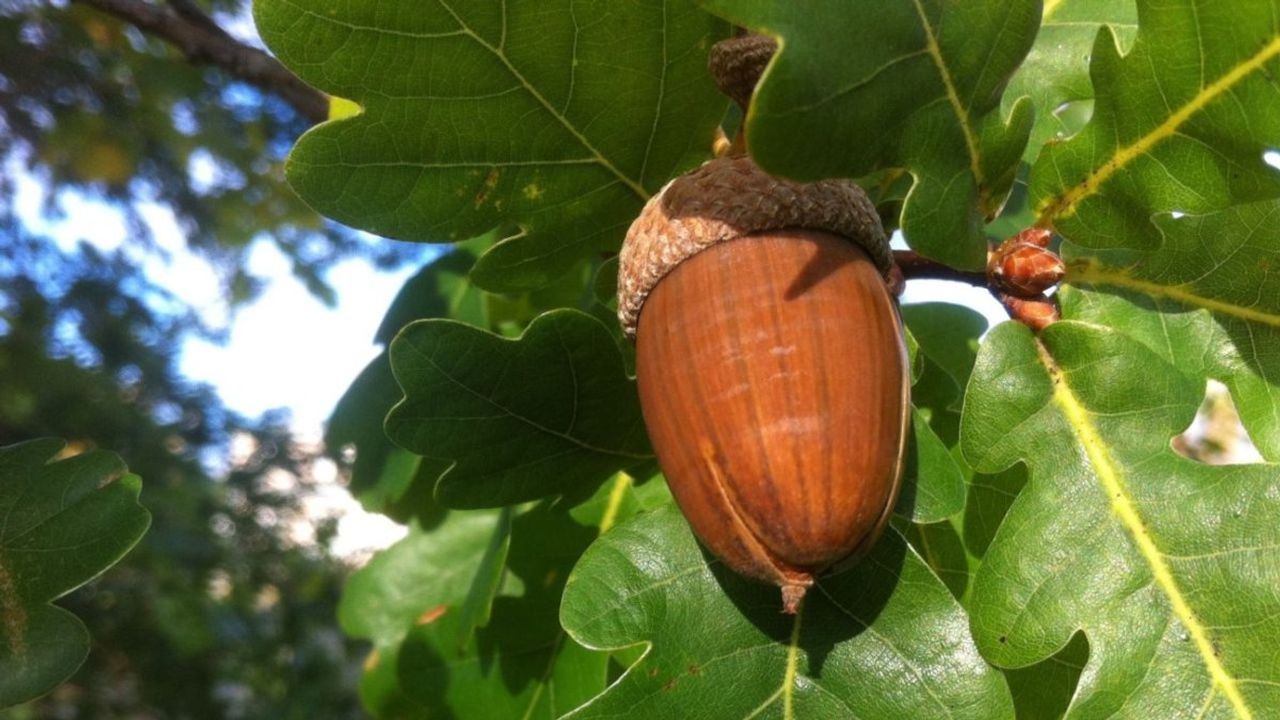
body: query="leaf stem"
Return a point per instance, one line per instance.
(915, 266)
(1035, 311)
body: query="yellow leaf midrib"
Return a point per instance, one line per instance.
(953, 96)
(1065, 203)
(1125, 509)
(1093, 273)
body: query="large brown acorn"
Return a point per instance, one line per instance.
(771, 366)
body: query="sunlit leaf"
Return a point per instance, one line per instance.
(884, 640)
(559, 119)
(1055, 74)
(1180, 123)
(860, 87)
(1168, 566)
(413, 582)
(1207, 299)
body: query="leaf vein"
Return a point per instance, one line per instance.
(1111, 477)
(1066, 203)
(546, 104)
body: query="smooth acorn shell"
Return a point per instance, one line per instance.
(774, 384)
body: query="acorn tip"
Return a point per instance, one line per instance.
(792, 597)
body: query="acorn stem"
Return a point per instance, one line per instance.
(916, 266)
(1036, 312)
(792, 596)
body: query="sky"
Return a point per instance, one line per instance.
(286, 348)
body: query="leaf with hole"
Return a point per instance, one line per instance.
(1055, 74)
(1168, 566)
(1180, 123)
(1207, 300)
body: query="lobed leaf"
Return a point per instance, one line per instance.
(548, 413)
(1180, 123)
(559, 119)
(887, 84)
(411, 583)
(61, 525)
(1168, 566)
(413, 600)
(932, 485)
(1206, 299)
(1055, 74)
(884, 640)
(385, 478)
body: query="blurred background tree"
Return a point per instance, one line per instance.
(227, 608)
(143, 103)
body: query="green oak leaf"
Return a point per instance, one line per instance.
(914, 358)
(550, 412)
(1055, 74)
(1169, 567)
(945, 340)
(933, 485)
(380, 693)
(857, 88)
(61, 525)
(385, 478)
(1180, 123)
(941, 548)
(1043, 691)
(520, 664)
(477, 607)
(561, 120)
(441, 289)
(883, 640)
(989, 499)
(948, 337)
(412, 600)
(1207, 299)
(413, 582)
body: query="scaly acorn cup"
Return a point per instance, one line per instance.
(771, 366)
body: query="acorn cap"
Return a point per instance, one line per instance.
(725, 199)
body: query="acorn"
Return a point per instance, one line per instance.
(771, 366)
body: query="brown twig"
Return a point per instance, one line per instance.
(1034, 310)
(182, 24)
(916, 266)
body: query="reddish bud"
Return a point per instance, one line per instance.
(1023, 266)
(1036, 313)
